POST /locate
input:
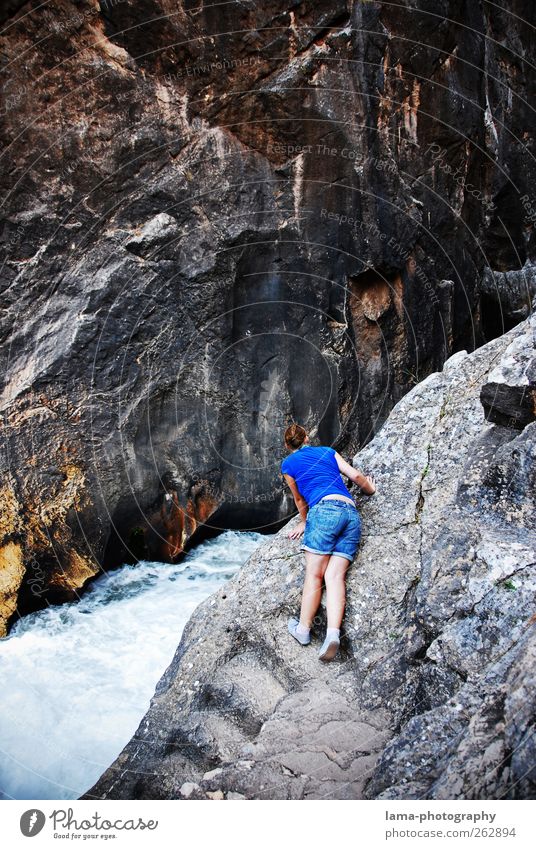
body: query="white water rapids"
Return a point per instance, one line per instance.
(78, 678)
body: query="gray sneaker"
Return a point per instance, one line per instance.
(292, 625)
(329, 649)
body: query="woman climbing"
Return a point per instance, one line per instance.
(331, 528)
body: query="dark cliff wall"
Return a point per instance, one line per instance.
(219, 218)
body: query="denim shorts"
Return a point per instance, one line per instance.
(332, 527)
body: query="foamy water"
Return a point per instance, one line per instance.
(78, 678)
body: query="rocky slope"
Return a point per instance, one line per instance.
(434, 695)
(220, 217)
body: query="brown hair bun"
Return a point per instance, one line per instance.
(295, 436)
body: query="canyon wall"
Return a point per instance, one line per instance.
(218, 218)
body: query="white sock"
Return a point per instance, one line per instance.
(333, 634)
(302, 630)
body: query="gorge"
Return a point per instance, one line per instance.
(218, 218)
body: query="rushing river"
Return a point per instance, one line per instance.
(78, 678)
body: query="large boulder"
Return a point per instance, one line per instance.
(434, 693)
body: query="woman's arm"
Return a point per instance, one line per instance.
(366, 482)
(302, 506)
(299, 500)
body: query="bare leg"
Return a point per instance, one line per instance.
(335, 578)
(315, 566)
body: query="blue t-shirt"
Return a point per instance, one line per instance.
(316, 472)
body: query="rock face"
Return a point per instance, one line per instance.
(222, 217)
(434, 694)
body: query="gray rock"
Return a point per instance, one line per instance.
(509, 396)
(433, 695)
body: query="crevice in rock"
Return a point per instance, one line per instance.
(338, 23)
(374, 315)
(10, 9)
(420, 497)
(420, 653)
(494, 320)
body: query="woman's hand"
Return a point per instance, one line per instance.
(372, 484)
(297, 532)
